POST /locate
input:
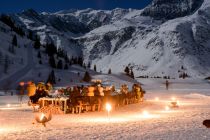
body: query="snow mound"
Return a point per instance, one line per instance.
(197, 96)
(2, 93)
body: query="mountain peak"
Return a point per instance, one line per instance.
(170, 9)
(30, 12)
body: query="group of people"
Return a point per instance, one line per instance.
(133, 96)
(97, 94)
(34, 92)
(92, 94)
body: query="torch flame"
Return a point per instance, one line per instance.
(146, 114)
(108, 107)
(173, 98)
(156, 99)
(42, 116)
(167, 108)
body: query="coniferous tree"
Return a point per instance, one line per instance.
(30, 35)
(40, 62)
(52, 62)
(87, 77)
(6, 64)
(182, 67)
(8, 21)
(12, 49)
(84, 65)
(66, 66)
(51, 78)
(132, 74)
(1, 58)
(14, 40)
(95, 68)
(127, 70)
(89, 65)
(50, 49)
(80, 61)
(60, 64)
(37, 43)
(39, 55)
(109, 72)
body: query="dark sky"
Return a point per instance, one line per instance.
(10, 6)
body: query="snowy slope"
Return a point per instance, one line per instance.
(127, 122)
(18, 61)
(120, 37)
(152, 47)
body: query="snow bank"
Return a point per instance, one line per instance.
(2, 93)
(197, 96)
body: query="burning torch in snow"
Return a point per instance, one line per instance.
(108, 109)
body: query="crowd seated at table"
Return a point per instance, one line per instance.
(95, 95)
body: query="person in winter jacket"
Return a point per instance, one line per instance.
(31, 89)
(138, 91)
(20, 92)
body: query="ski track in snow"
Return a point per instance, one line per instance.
(20, 73)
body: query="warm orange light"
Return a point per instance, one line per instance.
(108, 107)
(21, 83)
(146, 114)
(167, 108)
(173, 99)
(156, 99)
(42, 116)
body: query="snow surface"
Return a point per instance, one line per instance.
(126, 122)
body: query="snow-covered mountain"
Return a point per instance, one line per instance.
(170, 9)
(164, 39)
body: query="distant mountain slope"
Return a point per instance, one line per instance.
(167, 38)
(170, 9)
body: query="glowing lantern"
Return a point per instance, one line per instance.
(174, 104)
(146, 114)
(173, 99)
(108, 107)
(29, 82)
(156, 99)
(167, 108)
(43, 118)
(178, 103)
(21, 83)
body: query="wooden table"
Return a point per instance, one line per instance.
(54, 101)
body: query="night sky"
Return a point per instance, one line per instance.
(11, 6)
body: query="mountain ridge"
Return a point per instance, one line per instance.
(128, 37)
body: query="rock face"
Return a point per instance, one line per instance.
(170, 9)
(145, 40)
